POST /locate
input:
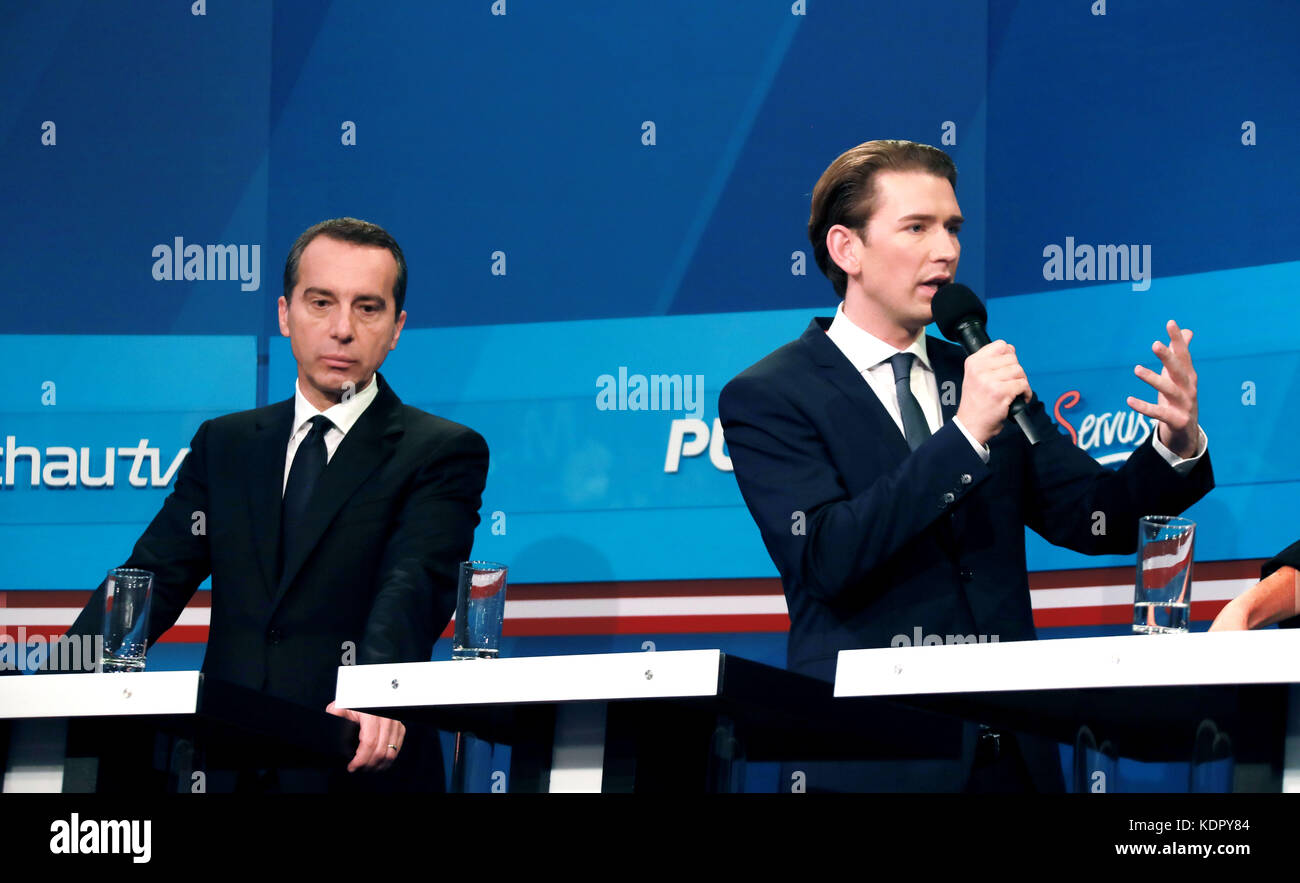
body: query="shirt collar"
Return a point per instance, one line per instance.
(864, 349)
(343, 415)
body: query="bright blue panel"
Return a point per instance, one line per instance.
(140, 397)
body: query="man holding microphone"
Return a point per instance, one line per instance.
(887, 506)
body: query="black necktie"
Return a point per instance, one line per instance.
(308, 463)
(915, 427)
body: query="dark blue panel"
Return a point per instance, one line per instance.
(847, 77)
(1127, 128)
(160, 128)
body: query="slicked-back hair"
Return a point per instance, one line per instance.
(846, 193)
(354, 231)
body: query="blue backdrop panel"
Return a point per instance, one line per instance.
(1128, 127)
(141, 396)
(525, 134)
(159, 131)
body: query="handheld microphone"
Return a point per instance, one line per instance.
(961, 317)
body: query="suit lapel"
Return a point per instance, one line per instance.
(265, 477)
(368, 444)
(832, 365)
(835, 367)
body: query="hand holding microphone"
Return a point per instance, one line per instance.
(994, 383)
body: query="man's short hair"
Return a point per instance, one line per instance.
(846, 191)
(354, 231)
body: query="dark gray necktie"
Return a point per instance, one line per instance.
(915, 427)
(308, 464)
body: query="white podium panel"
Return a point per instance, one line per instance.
(38, 705)
(584, 678)
(55, 718)
(1155, 662)
(99, 694)
(1263, 657)
(579, 685)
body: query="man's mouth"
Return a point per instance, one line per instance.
(934, 283)
(337, 361)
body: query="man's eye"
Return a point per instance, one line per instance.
(916, 228)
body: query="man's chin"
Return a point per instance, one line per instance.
(334, 385)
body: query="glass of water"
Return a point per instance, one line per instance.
(127, 597)
(480, 608)
(1163, 601)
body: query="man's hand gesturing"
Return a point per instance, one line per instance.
(1175, 385)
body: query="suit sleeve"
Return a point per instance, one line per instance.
(1077, 503)
(812, 527)
(416, 595)
(172, 548)
(1288, 557)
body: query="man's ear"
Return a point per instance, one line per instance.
(841, 245)
(397, 330)
(284, 315)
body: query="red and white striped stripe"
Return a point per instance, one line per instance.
(1093, 597)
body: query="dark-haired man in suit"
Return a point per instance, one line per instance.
(914, 503)
(335, 520)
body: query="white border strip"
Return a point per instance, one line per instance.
(1116, 596)
(685, 605)
(68, 615)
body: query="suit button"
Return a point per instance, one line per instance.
(967, 574)
(273, 636)
(965, 479)
(947, 498)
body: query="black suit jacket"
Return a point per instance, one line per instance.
(1288, 557)
(390, 519)
(874, 541)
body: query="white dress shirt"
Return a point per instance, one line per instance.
(870, 356)
(343, 416)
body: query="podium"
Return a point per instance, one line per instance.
(1168, 698)
(663, 721)
(152, 732)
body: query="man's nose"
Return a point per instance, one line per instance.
(341, 325)
(945, 247)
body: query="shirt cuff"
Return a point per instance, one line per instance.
(982, 450)
(1181, 466)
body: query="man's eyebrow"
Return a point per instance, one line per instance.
(379, 298)
(921, 216)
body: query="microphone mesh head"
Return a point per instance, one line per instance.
(954, 304)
